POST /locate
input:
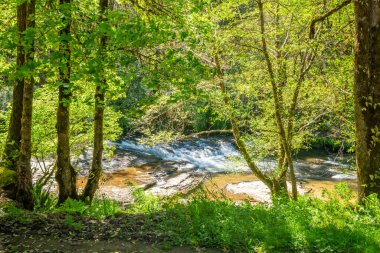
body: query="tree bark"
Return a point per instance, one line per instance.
(367, 96)
(12, 146)
(278, 109)
(24, 173)
(66, 174)
(96, 168)
(269, 182)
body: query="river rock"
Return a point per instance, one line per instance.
(181, 183)
(256, 190)
(122, 195)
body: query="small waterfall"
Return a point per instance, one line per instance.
(221, 155)
(214, 155)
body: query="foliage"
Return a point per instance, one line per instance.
(144, 202)
(70, 223)
(99, 208)
(161, 70)
(7, 177)
(307, 225)
(81, 124)
(43, 200)
(11, 212)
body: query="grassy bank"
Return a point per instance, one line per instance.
(308, 225)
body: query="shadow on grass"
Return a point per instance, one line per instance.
(308, 225)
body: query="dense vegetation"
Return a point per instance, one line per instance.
(279, 76)
(306, 225)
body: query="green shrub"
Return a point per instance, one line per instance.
(11, 212)
(307, 225)
(99, 208)
(70, 223)
(144, 202)
(43, 200)
(7, 177)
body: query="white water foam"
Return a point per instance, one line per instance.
(221, 155)
(210, 155)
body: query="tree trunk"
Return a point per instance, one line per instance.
(12, 146)
(367, 96)
(279, 187)
(96, 168)
(236, 132)
(24, 172)
(66, 174)
(277, 105)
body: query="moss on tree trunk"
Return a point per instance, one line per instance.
(367, 96)
(24, 172)
(66, 174)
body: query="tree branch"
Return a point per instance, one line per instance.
(324, 16)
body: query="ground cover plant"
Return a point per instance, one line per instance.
(307, 225)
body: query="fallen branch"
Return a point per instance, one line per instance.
(223, 131)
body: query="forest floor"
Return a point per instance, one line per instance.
(66, 233)
(45, 244)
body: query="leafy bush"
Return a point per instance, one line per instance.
(7, 177)
(43, 200)
(11, 212)
(307, 225)
(70, 223)
(100, 208)
(144, 202)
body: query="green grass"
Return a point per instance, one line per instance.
(307, 225)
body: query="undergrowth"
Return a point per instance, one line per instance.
(307, 225)
(99, 208)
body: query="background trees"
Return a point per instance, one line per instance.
(164, 69)
(269, 69)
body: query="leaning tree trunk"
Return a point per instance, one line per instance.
(96, 168)
(367, 96)
(24, 172)
(276, 186)
(285, 144)
(66, 174)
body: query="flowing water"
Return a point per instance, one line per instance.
(181, 166)
(220, 155)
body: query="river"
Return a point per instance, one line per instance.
(181, 166)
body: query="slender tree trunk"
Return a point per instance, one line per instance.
(277, 103)
(96, 168)
(66, 174)
(12, 146)
(269, 182)
(24, 172)
(367, 96)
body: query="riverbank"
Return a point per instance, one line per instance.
(153, 224)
